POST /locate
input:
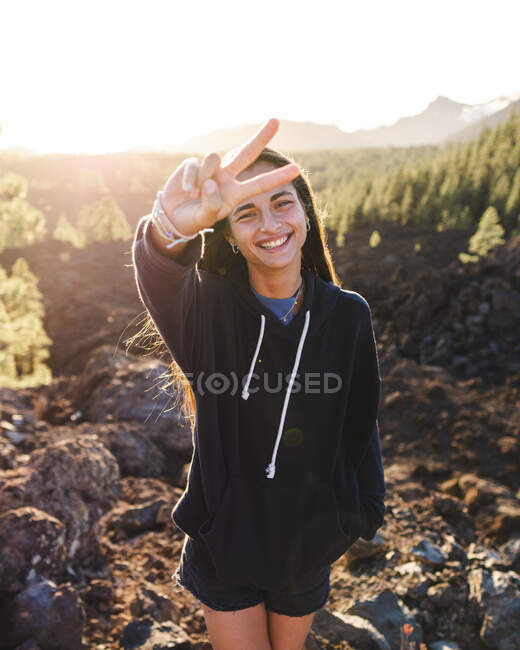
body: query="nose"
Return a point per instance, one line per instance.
(269, 221)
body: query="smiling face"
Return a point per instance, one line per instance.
(275, 216)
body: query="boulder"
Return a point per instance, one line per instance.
(511, 552)
(495, 595)
(146, 634)
(387, 613)
(364, 549)
(29, 539)
(46, 614)
(428, 553)
(137, 454)
(74, 480)
(355, 630)
(119, 387)
(125, 521)
(150, 602)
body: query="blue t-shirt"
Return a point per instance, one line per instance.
(279, 306)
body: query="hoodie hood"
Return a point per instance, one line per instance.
(320, 304)
(305, 324)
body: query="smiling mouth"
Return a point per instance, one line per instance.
(279, 247)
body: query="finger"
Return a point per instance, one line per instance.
(189, 177)
(209, 166)
(211, 203)
(267, 181)
(250, 151)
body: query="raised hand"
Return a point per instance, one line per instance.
(200, 193)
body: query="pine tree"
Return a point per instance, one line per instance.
(489, 233)
(512, 209)
(23, 341)
(375, 239)
(20, 223)
(406, 205)
(103, 221)
(65, 231)
(500, 192)
(488, 236)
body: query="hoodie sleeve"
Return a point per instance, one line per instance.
(372, 488)
(170, 290)
(363, 432)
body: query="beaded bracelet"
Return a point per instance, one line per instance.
(166, 229)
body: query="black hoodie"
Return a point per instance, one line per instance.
(284, 476)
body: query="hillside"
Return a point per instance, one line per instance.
(102, 441)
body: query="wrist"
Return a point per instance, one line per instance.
(163, 218)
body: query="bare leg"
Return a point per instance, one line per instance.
(289, 632)
(243, 629)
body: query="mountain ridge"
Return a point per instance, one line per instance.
(438, 123)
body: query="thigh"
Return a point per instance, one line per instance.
(235, 615)
(243, 629)
(288, 632)
(291, 612)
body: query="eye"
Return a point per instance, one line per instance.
(243, 216)
(282, 203)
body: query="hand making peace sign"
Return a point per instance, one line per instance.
(200, 193)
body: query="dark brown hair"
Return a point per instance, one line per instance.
(217, 257)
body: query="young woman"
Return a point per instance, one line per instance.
(286, 472)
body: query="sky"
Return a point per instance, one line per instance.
(95, 77)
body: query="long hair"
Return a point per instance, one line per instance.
(217, 257)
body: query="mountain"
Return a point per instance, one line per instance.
(441, 120)
(471, 132)
(292, 136)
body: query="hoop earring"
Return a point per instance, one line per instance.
(234, 248)
(308, 224)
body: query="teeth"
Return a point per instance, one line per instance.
(276, 243)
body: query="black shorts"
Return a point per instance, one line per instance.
(197, 574)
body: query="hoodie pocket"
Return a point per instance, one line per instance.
(270, 536)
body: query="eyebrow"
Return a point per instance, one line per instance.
(248, 206)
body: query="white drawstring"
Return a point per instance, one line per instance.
(271, 468)
(245, 392)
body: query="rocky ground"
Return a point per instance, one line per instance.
(91, 465)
